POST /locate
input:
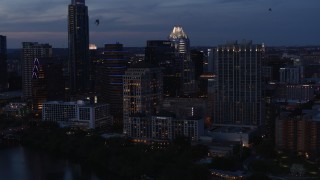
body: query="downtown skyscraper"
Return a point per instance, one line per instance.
(3, 63)
(109, 78)
(142, 93)
(181, 43)
(78, 43)
(238, 90)
(33, 56)
(161, 53)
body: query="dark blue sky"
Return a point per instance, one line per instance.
(132, 22)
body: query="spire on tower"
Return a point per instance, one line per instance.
(178, 33)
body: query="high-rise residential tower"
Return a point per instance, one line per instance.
(238, 98)
(3, 63)
(142, 93)
(47, 82)
(78, 42)
(32, 54)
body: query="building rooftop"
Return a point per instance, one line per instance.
(231, 129)
(10, 94)
(112, 135)
(14, 106)
(143, 65)
(79, 103)
(165, 113)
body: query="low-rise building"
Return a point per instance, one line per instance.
(291, 74)
(10, 96)
(301, 93)
(299, 132)
(17, 110)
(228, 133)
(165, 126)
(77, 114)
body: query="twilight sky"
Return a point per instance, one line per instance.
(133, 22)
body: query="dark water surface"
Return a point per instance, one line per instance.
(19, 163)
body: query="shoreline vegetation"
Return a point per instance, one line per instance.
(122, 158)
(118, 158)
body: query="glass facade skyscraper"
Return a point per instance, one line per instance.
(161, 53)
(78, 42)
(180, 41)
(110, 72)
(3, 63)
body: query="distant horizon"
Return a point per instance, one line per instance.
(99, 47)
(132, 23)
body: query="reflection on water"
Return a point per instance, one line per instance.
(18, 163)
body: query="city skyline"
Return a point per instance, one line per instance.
(208, 23)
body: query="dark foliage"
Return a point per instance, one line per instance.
(119, 158)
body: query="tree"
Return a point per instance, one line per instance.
(297, 169)
(266, 149)
(223, 163)
(199, 151)
(260, 176)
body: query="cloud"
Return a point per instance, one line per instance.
(205, 21)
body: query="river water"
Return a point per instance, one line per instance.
(19, 163)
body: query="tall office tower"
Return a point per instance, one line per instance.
(3, 63)
(197, 57)
(161, 53)
(181, 43)
(238, 97)
(78, 40)
(110, 74)
(142, 93)
(180, 40)
(32, 54)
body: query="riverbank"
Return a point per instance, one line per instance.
(119, 158)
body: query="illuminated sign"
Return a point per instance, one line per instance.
(35, 70)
